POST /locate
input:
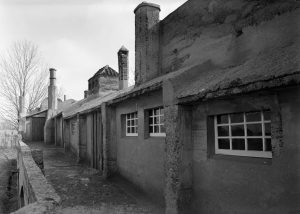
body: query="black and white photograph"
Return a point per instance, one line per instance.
(150, 107)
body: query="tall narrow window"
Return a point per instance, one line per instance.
(156, 122)
(132, 124)
(244, 134)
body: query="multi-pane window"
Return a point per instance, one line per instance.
(244, 134)
(132, 124)
(156, 122)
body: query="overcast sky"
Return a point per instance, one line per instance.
(77, 37)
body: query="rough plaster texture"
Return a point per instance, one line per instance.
(141, 159)
(228, 184)
(39, 195)
(49, 131)
(146, 42)
(59, 131)
(123, 67)
(178, 167)
(225, 32)
(74, 136)
(66, 134)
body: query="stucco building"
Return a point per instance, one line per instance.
(212, 123)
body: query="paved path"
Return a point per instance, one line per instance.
(83, 190)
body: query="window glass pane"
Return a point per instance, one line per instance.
(156, 129)
(224, 144)
(267, 115)
(253, 116)
(150, 113)
(223, 131)
(237, 118)
(128, 130)
(255, 144)
(151, 129)
(132, 130)
(155, 120)
(156, 111)
(222, 119)
(238, 144)
(128, 122)
(254, 130)
(237, 130)
(267, 129)
(268, 144)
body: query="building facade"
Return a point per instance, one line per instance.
(211, 125)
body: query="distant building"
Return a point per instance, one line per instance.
(36, 119)
(104, 81)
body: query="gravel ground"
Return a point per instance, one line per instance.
(83, 190)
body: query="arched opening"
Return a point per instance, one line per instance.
(22, 200)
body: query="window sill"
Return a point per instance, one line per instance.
(242, 159)
(157, 135)
(131, 135)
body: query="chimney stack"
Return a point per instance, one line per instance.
(146, 42)
(52, 99)
(85, 94)
(123, 68)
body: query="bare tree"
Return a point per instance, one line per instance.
(22, 74)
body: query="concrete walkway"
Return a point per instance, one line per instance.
(83, 190)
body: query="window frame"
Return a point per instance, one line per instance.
(129, 134)
(246, 152)
(159, 124)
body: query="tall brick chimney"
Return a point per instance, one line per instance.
(52, 99)
(123, 67)
(146, 42)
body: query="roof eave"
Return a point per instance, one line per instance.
(280, 82)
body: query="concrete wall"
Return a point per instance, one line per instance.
(231, 184)
(59, 131)
(36, 195)
(83, 139)
(226, 33)
(89, 148)
(141, 159)
(66, 134)
(74, 136)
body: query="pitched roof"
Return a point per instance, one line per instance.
(90, 103)
(106, 71)
(271, 68)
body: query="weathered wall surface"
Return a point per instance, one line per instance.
(89, 140)
(59, 132)
(83, 139)
(231, 184)
(66, 134)
(74, 136)
(141, 159)
(226, 33)
(36, 194)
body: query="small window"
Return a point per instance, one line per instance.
(156, 122)
(131, 124)
(244, 134)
